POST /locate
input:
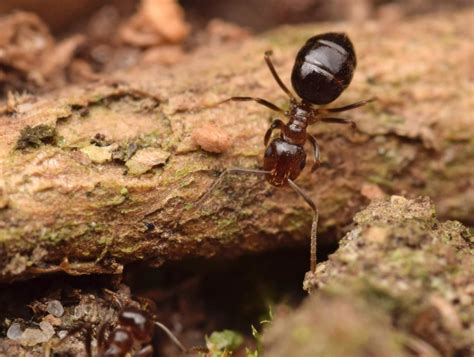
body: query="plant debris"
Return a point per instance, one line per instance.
(36, 136)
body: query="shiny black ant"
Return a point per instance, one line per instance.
(323, 69)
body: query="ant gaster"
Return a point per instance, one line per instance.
(323, 69)
(134, 327)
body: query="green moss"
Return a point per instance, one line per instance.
(13, 234)
(181, 173)
(188, 206)
(246, 213)
(228, 226)
(124, 191)
(65, 233)
(220, 343)
(298, 219)
(36, 136)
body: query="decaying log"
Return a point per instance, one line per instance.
(400, 284)
(98, 176)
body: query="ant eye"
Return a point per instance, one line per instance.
(302, 164)
(269, 150)
(323, 68)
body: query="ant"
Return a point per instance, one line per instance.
(134, 327)
(323, 69)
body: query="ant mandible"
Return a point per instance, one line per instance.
(323, 69)
(134, 327)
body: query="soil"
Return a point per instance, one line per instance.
(108, 138)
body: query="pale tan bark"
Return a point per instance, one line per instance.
(69, 205)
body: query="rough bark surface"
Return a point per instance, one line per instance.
(98, 176)
(400, 284)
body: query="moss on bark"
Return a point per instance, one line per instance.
(84, 205)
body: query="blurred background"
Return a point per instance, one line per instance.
(45, 44)
(257, 15)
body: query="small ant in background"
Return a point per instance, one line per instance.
(323, 69)
(134, 329)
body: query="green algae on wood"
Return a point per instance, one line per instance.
(405, 266)
(47, 187)
(36, 136)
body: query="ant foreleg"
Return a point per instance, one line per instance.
(339, 121)
(277, 78)
(315, 145)
(314, 226)
(276, 124)
(348, 107)
(261, 101)
(223, 174)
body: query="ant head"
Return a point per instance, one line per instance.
(324, 67)
(139, 322)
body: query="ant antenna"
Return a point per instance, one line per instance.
(171, 336)
(177, 342)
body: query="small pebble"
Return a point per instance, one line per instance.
(55, 321)
(47, 329)
(33, 336)
(14, 331)
(211, 138)
(55, 308)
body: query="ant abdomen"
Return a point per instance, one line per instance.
(324, 67)
(284, 161)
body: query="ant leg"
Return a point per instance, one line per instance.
(315, 145)
(339, 121)
(348, 107)
(282, 85)
(261, 101)
(101, 335)
(221, 177)
(276, 124)
(314, 226)
(87, 329)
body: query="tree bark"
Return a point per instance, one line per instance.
(400, 284)
(100, 175)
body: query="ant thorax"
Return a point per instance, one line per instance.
(299, 117)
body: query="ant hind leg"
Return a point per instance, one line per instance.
(260, 101)
(349, 106)
(277, 78)
(339, 121)
(314, 226)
